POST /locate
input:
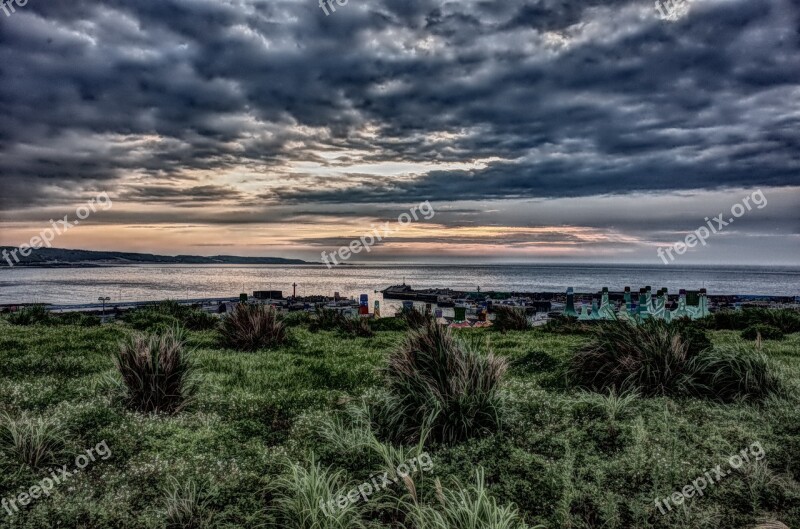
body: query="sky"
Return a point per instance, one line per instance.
(568, 131)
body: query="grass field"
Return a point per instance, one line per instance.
(263, 425)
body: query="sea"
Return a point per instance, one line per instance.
(158, 282)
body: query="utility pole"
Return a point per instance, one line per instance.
(104, 299)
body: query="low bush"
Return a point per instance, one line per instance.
(767, 332)
(253, 327)
(325, 319)
(168, 314)
(388, 324)
(333, 320)
(297, 318)
(33, 315)
(439, 385)
(77, 318)
(787, 320)
(694, 334)
(510, 319)
(566, 325)
(156, 372)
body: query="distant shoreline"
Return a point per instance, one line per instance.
(64, 258)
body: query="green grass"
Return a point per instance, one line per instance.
(268, 432)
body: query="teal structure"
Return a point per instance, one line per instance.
(648, 306)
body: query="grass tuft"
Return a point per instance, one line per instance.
(510, 319)
(439, 383)
(301, 496)
(156, 372)
(253, 327)
(469, 507)
(32, 441)
(651, 358)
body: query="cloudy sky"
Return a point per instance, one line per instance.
(538, 130)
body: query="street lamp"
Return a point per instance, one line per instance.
(104, 304)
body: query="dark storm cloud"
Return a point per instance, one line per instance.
(567, 98)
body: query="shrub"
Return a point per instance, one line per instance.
(156, 372)
(168, 314)
(735, 372)
(332, 320)
(438, 384)
(297, 318)
(77, 318)
(767, 332)
(510, 319)
(325, 320)
(33, 315)
(566, 325)
(465, 508)
(650, 357)
(357, 327)
(34, 442)
(693, 334)
(253, 327)
(729, 320)
(388, 324)
(787, 320)
(198, 320)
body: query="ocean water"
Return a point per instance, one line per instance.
(158, 282)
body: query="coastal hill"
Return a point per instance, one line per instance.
(57, 257)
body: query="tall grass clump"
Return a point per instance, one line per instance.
(156, 372)
(414, 319)
(510, 319)
(656, 359)
(438, 384)
(31, 441)
(253, 327)
(651, 358)
(185, 507)
(462, 507)
(301, 496)
(735, 372)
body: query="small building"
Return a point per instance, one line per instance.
(268, 294)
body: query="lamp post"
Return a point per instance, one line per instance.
(104, 303)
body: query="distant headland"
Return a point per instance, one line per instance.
(58, 258)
